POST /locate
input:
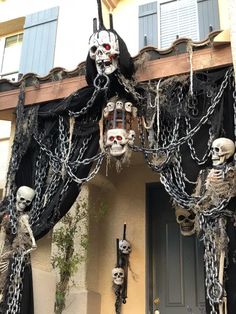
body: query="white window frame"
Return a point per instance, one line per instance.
(11, 75)
(159, 3)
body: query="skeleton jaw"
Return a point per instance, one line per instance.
(106, 66)
(117, 150)
(218, 160)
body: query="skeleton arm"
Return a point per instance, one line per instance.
(24, 223)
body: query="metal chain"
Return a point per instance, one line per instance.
(193, 153)
(101, 83)
(14, 293)
(214, 289)
(173, 145)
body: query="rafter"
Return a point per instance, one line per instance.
(207, 58)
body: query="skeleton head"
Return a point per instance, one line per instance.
(128, 106)
(131, 137)
(24, 197)
(118, 275)
(124, 246)
(117, 140)
(186, 220)
(222, 149)
(104, 50)
(119, 105)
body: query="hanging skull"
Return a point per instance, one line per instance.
(124, 246)
(119, 115)
(186, 220)
(222, 149)
(24, 197)
(104, 50)
(116, 141)
(118, 275)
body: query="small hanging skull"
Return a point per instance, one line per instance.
(124, 246)
(104, 50)
(222, 149)
(118, 275)
(24, 197)
(186, 221)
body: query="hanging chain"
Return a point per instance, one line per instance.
(14, 293)
(101, 83)
(173, 145)
(193, 153)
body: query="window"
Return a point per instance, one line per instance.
(178, 19)
(11, 52)
(163, 21)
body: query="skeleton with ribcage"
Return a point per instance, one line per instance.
(218, 183)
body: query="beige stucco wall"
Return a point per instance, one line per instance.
(124, 199)
(75, 25)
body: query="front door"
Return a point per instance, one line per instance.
(175, 262)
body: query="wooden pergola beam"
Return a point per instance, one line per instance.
(203, 59)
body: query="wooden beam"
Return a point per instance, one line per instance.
(46, 92)
(207, 58)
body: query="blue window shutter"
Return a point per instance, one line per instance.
(39, 41)
(148, 25)
(208, 17)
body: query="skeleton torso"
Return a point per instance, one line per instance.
(220, 183)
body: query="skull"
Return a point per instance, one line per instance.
(119, 105)
(222, 149)
(118, 275)
(131, 137)
(117, 140)
(124, 246)
(186, 220)
(109, 108)
(128, 106)
(104, 50)
(24, 197)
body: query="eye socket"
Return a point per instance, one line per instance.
(181, 217)
(111, 138)
(119, 138)
(216, 149)
(28, 202)
(93, 49)
(107, 46)
(22, 199)
(191, 217)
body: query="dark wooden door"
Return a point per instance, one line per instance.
(175, 262)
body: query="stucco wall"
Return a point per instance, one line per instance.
(124, 199)
(75, 25)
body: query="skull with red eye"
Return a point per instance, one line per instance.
(116, 142)
(104, 50)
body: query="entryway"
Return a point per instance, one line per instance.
(175, 262)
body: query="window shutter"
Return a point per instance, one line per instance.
(178, 19)
(148, 25)
(39, 41)
(208, 16)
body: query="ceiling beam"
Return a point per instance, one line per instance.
(203, 59)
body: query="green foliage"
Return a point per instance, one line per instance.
(66, 260)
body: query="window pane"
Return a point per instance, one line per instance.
(178, 18)
(11, 56)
